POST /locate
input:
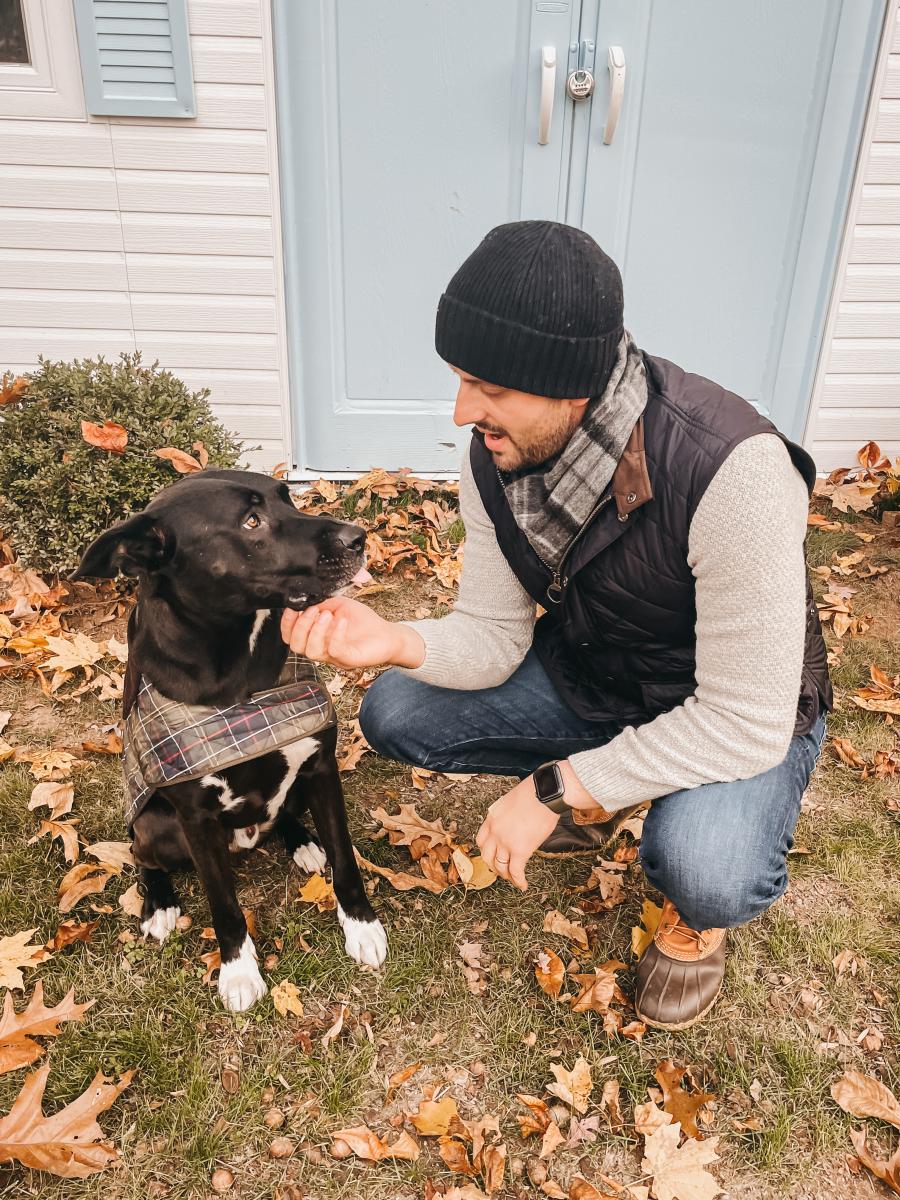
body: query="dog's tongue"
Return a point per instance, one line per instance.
(362, 576)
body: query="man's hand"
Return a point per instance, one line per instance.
(514, 827)
(345, 633)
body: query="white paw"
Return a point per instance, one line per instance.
(240, 983)
(364, 941)
(310, 857)
(161, 924)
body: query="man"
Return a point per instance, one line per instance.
(659, 521)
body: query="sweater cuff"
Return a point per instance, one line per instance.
(599, 771)
(440, 658)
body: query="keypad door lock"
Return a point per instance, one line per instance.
(580, 84)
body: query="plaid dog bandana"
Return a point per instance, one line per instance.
(169, 742)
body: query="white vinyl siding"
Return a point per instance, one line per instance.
(857, 394)
(121, 233)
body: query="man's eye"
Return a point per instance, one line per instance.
(252, 522)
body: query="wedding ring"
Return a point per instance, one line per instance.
(502, 862)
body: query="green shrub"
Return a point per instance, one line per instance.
(57, 492)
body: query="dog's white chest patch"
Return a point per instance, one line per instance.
(296, 754)
(262, 615)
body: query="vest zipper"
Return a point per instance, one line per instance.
(557, 585)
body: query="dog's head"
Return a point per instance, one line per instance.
(231, 541)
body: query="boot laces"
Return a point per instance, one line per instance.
(673, 928)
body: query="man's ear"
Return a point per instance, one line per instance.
(140, 544)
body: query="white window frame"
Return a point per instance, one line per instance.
(50, 84)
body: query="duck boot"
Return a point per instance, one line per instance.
(681, 973)
(571, 837)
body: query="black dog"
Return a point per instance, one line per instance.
(218, 555)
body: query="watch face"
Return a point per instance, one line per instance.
(548, 782)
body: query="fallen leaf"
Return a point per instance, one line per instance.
(865, 1096)
(84, 879)
(887, 1171)
(642, 935)
(48, 763)
(369, 1147)
(597, 991)
(58, 797)
(65, 831)
(116, 854)
(68, 1144)
(455, 1156)
(572, 1087)
(112, 745)
(609, 1103)
(434, 1116)
(72, 652)
(555, 922)
(580, 1189)
(132, 901)
(320, 892)
(18, 1030)
(401, 880)
(183, 463)
(352, 749)
(847, 752)
(649, 1117)
(845, 962)
(400, 1077)
(72, 931)
(683, 1105)
(334, 1032)
(493, 1167)
(406, 827)
(15, 953)
(108, 436)
(552, 1140)
(474, 873)
(678, 1171)
(550, 972)
(286, 998)
(539, 1119)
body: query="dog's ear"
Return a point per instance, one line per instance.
(140, 544)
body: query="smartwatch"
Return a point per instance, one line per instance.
(550, 788)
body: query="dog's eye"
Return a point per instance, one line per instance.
(252, 522)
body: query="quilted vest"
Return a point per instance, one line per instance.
(617, 638)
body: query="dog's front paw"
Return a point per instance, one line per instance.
(310, 857)
(161, 923)
(364, 941)
(240, 983)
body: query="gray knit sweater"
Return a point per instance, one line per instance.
(745, 549)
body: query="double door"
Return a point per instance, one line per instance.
(711, 159)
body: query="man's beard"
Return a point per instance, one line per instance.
(536, 447)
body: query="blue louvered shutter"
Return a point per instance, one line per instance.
(136, 57)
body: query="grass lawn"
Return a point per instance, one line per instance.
(784, 1029)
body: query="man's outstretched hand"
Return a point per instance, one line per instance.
(346, 633)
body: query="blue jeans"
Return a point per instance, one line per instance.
(718, 852)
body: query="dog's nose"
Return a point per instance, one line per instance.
(351, 537)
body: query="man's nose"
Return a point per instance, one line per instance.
(469, 408)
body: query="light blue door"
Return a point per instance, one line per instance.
(409, 127)
(723, 189)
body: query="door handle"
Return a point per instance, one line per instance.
(548, 90)
(616, 92)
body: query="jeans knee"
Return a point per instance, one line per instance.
(384, 717)
(711, 898)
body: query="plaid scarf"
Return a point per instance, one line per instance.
(169, 742)
(551, 502)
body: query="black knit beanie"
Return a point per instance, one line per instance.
(536, 307)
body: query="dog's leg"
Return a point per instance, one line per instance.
(161, 908)
(365, 939)
(305, 849)
(240, 983)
